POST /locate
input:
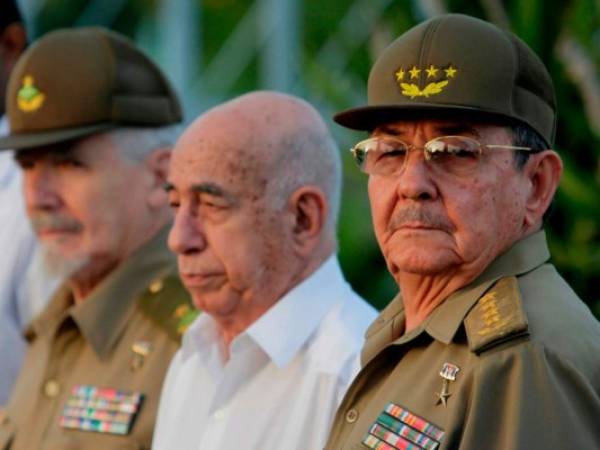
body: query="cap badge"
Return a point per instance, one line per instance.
(439, 77)
(29, 98)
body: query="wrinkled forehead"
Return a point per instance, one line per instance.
(230, 162)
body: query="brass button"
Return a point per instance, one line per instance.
(156, 287)
(351, 415)
(51, 388)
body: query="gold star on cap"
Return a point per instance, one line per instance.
(431, 71)
(450, 71)
(400, 74)
(414, 72)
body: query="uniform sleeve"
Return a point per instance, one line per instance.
(528, 397)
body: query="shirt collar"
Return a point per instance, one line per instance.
(524, 256)
(103, 315)
(283, 330)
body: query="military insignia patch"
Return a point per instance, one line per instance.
(437, 79)
(398, 428)
(29, 98)
(103, 410)
(186, 316)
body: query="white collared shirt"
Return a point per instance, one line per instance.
(284, 379)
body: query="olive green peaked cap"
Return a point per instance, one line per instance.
(75, 82)
(457, 63)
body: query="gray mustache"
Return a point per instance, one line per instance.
(419, 215)
(41, 221)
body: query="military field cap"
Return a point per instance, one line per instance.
(75, 82)
(457, 64)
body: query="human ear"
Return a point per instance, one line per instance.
(309, 207)
(543, 170)
(157, 164)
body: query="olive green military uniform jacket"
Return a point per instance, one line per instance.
(93, 372)
(511, 361)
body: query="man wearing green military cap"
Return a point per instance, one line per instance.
(485, 346)
(92, 123)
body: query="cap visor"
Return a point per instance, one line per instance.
(367, 118)
(16, 141)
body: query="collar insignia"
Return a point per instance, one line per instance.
(439, 78)
(29, 98)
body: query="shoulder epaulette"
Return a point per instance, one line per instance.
(497, 317)
(167, 303)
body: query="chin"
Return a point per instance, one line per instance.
(422, 262)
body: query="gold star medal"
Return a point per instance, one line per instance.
(29, 97)
(448, 373)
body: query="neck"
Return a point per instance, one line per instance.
(85, 280)
(422, 294)
(255, 306)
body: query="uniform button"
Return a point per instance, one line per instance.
(351, 415)
(51, 388)
(219, 415)
(156, 287)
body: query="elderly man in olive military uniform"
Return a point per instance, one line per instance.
(92, 123)
(486, 346)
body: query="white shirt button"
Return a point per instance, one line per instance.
(219, 415)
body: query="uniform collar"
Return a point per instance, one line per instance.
(446, 319)
(105, 312)
(522, 257)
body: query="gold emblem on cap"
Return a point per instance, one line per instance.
(413, 90)
(29, 98)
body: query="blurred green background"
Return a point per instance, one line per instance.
(322, 50)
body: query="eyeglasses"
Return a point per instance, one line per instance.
(456, 155)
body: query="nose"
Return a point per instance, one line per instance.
(40, 189)
(186, 236)
(415, 180)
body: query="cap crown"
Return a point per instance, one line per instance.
(77, 81)
(457, 62)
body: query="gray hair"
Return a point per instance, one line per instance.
(309, 156)
(136, 143)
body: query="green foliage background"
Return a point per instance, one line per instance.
(566, 35)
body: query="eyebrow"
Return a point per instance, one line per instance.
(203, 188)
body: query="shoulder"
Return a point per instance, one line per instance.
(168, 305)
(540, 309)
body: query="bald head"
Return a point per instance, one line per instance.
(280, 141)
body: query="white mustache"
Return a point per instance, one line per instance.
(45, 221)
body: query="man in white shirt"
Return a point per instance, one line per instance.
(255, 186)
